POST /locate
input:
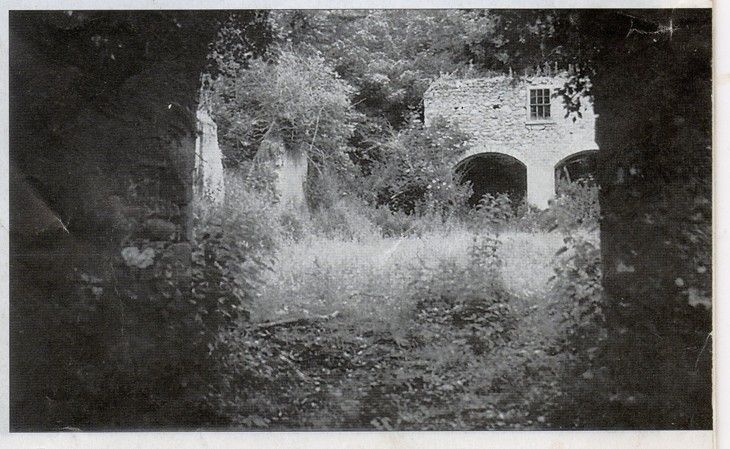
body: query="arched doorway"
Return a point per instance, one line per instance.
(581, 165)
(493, 173)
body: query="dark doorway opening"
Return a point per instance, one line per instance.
(577, 166)
(493, 173)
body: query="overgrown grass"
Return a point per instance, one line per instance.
(431, 323)
(371, 277)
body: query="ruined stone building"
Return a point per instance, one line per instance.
(521, 137)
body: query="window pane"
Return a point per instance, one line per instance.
(539, 104)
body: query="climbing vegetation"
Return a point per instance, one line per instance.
(412, 173)
(292, 93)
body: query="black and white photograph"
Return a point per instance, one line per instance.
(360, 220)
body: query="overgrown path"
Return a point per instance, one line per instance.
(453, 361)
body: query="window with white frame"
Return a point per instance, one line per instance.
(540, 104)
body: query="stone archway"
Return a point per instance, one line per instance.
(493, 173)
(580, 165)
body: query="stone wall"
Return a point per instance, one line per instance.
(291, 167)
(209, 180)
(102, 148)
(495, 112)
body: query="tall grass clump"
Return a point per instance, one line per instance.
(576, 204)
(345, 218)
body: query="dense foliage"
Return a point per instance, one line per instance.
(574, 207)
(413, 174)
(297, 95)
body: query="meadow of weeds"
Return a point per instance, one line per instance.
(446, 324)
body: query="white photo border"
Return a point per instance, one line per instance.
(403, 440)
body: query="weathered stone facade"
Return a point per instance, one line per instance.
(496, 112)
(209, 182)
(290, 166)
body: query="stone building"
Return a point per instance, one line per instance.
(521, 134)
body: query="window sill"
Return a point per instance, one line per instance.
(539, 122)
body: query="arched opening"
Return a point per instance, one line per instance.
(581, 165)
(493, 173)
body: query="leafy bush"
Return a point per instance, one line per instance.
(344, 219)
(392, 223)
(232, 247)
(578, 276)
(575, 207)
(296, 96)
(576, 204)
(256, 177)
(533, 220)
(493, 212)
(413, 175)
(234, 244)
(471, 297)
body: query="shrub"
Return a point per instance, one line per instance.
(494, 212)
(234, 243)
(345, 219)
(576, 204)
(392, 223)
(413, 175)
(533, 220)
(293, 225)
(232, 246)
(578, 276)
(575, 207)
(470, 297)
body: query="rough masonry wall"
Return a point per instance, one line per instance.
(495, 112)
(291, 167)
(102, 147)
(209, 180)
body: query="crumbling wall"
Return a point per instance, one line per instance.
(209, 180)
(291, 176)
(290, 166)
